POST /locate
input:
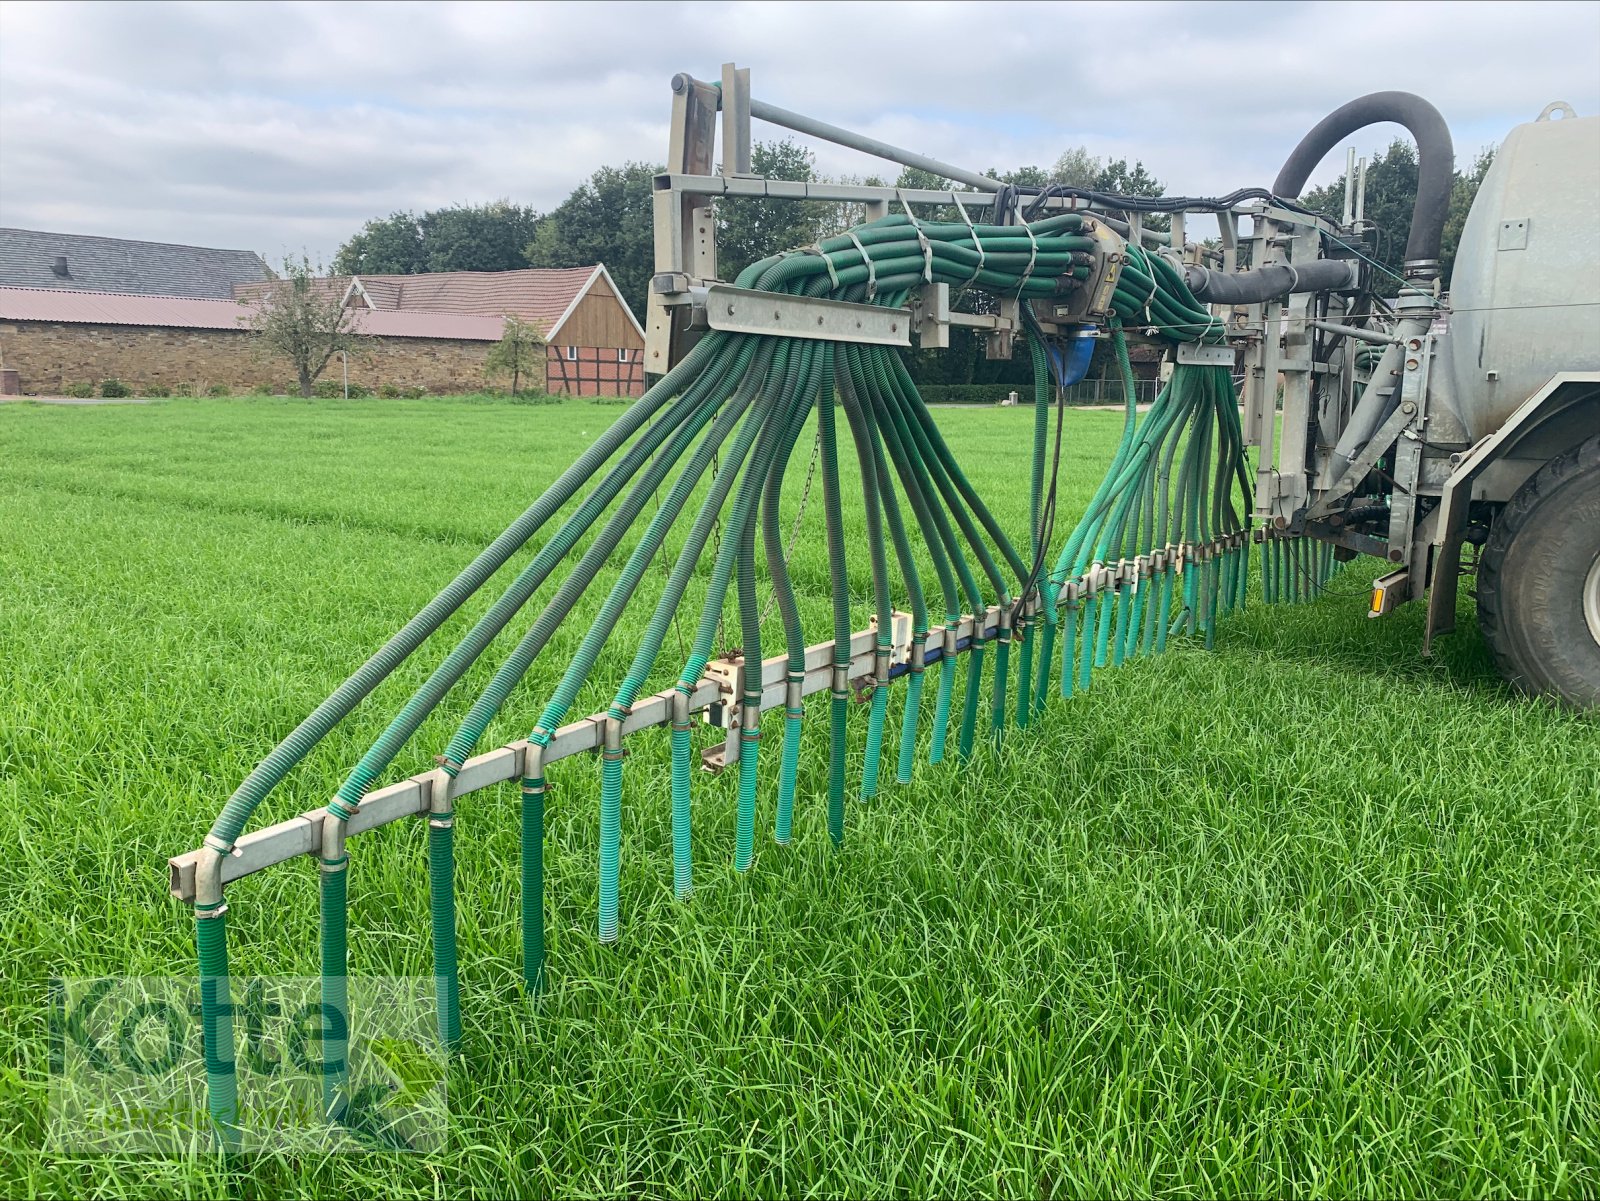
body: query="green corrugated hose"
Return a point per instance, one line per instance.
(216, 1024)
(441, 887)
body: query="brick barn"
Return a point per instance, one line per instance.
(594, 344)
(51, 339)
(76, 309)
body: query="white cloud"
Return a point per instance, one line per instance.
(280, 126)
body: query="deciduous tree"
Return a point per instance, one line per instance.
(389, 245)
(519, 352)
(461, 237)
(301, 320)
(482, 237)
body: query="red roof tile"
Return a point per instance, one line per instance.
(173, 312)
(538, 295)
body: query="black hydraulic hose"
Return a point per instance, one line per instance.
(1436, 162)
(1268, 283)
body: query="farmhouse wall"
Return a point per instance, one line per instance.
(49, 356)
(593, 370)
(600, 319)
(597, 351)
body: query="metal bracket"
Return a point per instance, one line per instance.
(725, 712)
(1111, 250)
(998, 345)
(933, 317)
(749, 311)
(1358, 469)
(899, 635)
(1196, 354)
(1389, 592)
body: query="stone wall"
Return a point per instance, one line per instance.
(50, 356)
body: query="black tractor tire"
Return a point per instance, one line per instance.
(1539, 569)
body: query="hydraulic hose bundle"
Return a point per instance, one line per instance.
(1161, 548)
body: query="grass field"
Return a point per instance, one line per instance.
(1304, 915)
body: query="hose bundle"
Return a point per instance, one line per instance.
(1160, 548)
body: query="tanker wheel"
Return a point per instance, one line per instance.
(1539, 581)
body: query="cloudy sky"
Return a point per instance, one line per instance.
(284, 126)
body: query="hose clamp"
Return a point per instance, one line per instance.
(333, 858)
(918, 653)
(793, 700)
(342, 810)
(204, 913)
(611, 739)
(952, 639)
(840, 683)
(881, 662)
(680, 709)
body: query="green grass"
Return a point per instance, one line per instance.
(1308, 914)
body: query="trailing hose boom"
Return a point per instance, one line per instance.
(803, 348)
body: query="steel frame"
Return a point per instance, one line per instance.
(1270, 339)
(717, 697)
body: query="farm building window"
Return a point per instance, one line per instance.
(572, 354)
(622, 354)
